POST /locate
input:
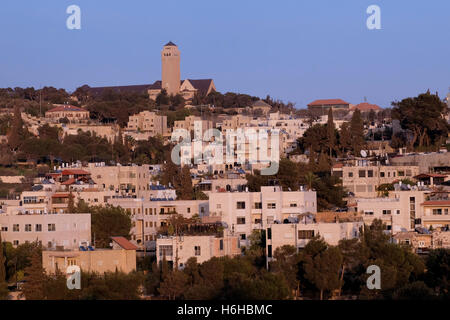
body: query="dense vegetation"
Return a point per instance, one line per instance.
(318, 271)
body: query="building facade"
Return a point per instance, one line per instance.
(244, 212)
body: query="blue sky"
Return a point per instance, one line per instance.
(293, 50)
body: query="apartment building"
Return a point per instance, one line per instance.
(109, 132)
(362, 177)
(178, 250)
(74, 114)
(133, 179)
(121, 257)
(436, 213)
(193, 124)
(237, 121)
(148, 122)
(401, 211)
(299, 234)
(148, 216)
(208, 186)
(244, 212)
(421, 242)
(51, 230)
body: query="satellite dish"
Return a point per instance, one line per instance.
(363, 153)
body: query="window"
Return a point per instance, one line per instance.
(362, 173)
(197, 250)
(4, 229)
(269, 233)
(240, 205)
(269, 251)
(382, 174)
(165, 251)
(271, 205)
(437, 211)
(51, 227)
(401, 173)
(369, 213)
(16, 228)
(412, 210)
(243, 237)
(305, 234)
(240, 220)
(258, 205)
(16, 242)
(28, 228)
(221, 244)
(219, 206)
(398, 211)
(188, 210)
(386, 211)
(370, 173)
(350, 174)
(293, 205)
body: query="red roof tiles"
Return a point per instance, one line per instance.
(437, 203)
(365, 106)
(327, 102)
(79, 172)
(124, 243)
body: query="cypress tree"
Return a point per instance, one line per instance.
(3, 284)
(331, 135)
(35, 278)
(357, 132)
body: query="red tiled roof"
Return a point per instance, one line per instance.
(365, 106)
(437, 203)
(61, 195)
(68, 182)
(69, 172)
(124, 243)
(65, 108)
(327, 102)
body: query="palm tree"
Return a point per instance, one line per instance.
(310, 179)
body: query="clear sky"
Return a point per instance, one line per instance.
(294, 50)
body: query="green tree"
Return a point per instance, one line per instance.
(357, 133)
(310, 179)
(35, 279)
(424, 117)
(285, 263)
(438, 271)
(414, 291)
(185, 190)
(16, 133)
(173, 285)
(71, 204)
(345, 138)
(323, 270)
(107, 222)
(331, 132)
(162, 98)
(3, 284)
